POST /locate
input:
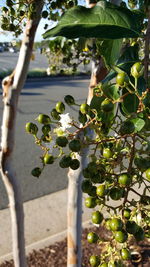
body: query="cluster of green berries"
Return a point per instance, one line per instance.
(120, 231)
(60, 142)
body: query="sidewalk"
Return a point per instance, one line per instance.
(45, 223)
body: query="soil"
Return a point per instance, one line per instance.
(56, 255)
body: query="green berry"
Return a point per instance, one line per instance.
(90, 202)
(124, 179)
(121, 236)
(94, 261)
(116, 224)
(31, 128)
(92, 237)
(65, 162)
(75, 145)
(84, 108)
(69, 100)
(125, 254)
(74, 164)
(122, 79)
(60, 107)
(36, 172)
(137, 70)
(46, 129)
(55, 114)
(97, 217)
(61, 141)
(48, 159)
(44, 119)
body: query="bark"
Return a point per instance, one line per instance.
(12, 86)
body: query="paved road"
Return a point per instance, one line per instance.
(8, 61)
(39, 97)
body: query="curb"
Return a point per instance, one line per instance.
(45, 223)
(43, 243)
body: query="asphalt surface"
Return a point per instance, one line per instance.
(8, 61)
(39, 97)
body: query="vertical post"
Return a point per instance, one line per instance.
(12, 86)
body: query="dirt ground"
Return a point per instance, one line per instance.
(56, 255)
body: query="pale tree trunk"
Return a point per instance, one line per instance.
(74, 209)
(12, 86)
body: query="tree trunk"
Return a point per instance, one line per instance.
(12, 86)
(74, 213)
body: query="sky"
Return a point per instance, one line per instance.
(9, 36)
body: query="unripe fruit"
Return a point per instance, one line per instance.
(75, 145)
(44, 14)
(48, 159)
(116, 224)
(125, 254)
(122, 79)
(44, 119)
(97, 217)
(112, 264)
(46, 129)
(116, 193)
(31, 128)
(124, 179)
(55, 114)
(107, 224)
(36, 172)
(86, 185)
(104, 265)
(107, 105)
(131, 227)
(65, 162)
(147, 174)
(127, 213)
(74, 164)
(94, 261)
(90, 202)
(100, 191)
(61, 141)
(107, 153)
(60, 107)
(92, 237)
(69, 100)
(121, 236)
(84, 108)
(137, 70)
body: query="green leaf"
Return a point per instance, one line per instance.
(130, 104)
(105, 20)
(96, 103)
(111, 92)
(110, 50)
(138, 124)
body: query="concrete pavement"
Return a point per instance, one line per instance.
(39, 96)
(45, 223)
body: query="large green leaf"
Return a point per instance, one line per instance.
(110, 51)
(138, 124)
(111, 91)
(105, 20)
(130, 103)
